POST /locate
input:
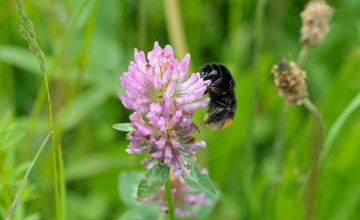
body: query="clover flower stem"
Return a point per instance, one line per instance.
(310, 184)
(170, 200)
(301, 55)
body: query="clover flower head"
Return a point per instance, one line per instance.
(164, 99)
(289, 79)
(183, 195)
(315, 22)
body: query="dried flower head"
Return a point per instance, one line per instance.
(315, 22)
(164, 100)
(289, 79)
(183, 196)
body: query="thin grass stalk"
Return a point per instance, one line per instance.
(258, 34)
(279, 138)
(175, 27)
(40, 97)
(259, 14)
(26, 28)
(170, 201)
(311, 180)
(54, 154)
(62, 181)
(273, 184)
(56, 182)
(142, 23)
(3, 173)
(89, 30)
(33, 118)
(5, 186)
(22, 184)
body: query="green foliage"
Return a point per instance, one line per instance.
(127, 186)
(23, 182)
(335, 129)
(123, 127)
(198, 180)
(89, 44)
(153, 180)
(12, 170)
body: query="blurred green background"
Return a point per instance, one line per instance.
(88, 44)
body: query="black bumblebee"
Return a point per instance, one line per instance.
(222, 96)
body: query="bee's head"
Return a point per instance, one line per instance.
(209, 73)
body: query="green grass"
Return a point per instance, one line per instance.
(87, 45)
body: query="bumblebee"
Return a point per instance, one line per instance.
(222, 96)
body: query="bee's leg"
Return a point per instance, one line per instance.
(216, 82)
(216, 90)
(222, 104)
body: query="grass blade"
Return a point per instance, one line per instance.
(336, 127)
(62, 181)
(26, 28)
(22, 184)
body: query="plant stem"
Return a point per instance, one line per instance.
(62, 181)
(301, 55)
(275, 181)
(54, 154)
(258, 35)
(175, 27)
(313, 173)
(142, 23)
(249, 146)
(170, 200)
(279, 138)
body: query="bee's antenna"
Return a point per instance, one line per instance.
(201, 67)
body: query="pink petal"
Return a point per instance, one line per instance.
(139, 58)
(157, 82)
(200, 104)
(170, 89)
(156, 108)
(168, 154)
(168, 51)
(184, 65)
